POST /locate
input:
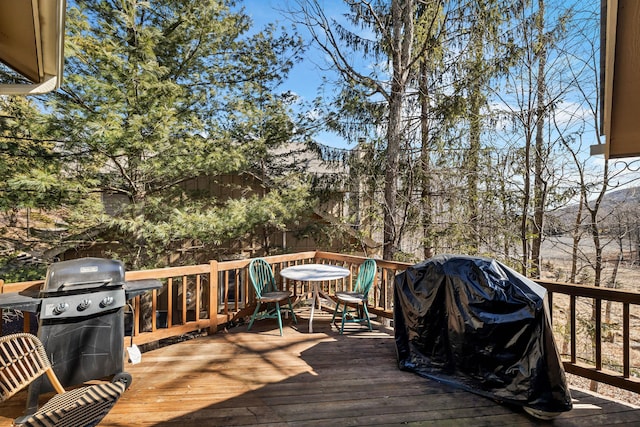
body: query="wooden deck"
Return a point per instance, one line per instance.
(319, 379)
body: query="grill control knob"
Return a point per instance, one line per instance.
(106, 302)
(84, 304)
(60, 308)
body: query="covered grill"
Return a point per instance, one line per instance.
(81, 319)
(476, 324)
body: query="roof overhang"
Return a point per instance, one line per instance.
(620, 81)
(32, 43)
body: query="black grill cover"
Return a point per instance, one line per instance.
(475, 324)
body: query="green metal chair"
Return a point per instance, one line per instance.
(268, 297)
(359, 297)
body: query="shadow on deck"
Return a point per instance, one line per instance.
(319, 379)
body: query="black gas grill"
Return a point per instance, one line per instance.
(81, 319)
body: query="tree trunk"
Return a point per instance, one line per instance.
(539, 184)
(425, 165)
(526, 198)
(391, 173)
(402, 27)
(576, 235)
(473, 155)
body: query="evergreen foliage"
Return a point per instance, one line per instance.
(30, 164)
(158, 93)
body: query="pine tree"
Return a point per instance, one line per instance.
(160, 92)
(29, 167)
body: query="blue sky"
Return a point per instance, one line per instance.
(306, 76)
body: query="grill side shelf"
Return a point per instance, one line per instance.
(16, 301)
(138, 287)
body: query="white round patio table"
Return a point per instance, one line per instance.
(314, 274)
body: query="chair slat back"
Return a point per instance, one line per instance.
(22, 360)
(262, 277)
(366, 276)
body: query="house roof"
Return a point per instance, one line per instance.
(620, 86)
(32, 44)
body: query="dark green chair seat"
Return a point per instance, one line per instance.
(358, 297)
(268, 297)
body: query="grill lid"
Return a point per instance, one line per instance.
(83, 274)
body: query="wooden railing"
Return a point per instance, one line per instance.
(607, 350)
(209, 297)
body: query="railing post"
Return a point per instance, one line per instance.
(213, 297)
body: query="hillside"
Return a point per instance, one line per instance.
(617, 206)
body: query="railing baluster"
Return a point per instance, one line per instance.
(198, 289)
(169, 302)
(384, 281)
(26, 318)
(572, 313)
(236, 284)
(184, 300)
(154, 309)
(136, 316)
(213, 296)
(626, 347)
(225, 295)
(250, 290)
(246, 285)
(598, 333)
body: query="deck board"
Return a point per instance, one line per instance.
(302, 379)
